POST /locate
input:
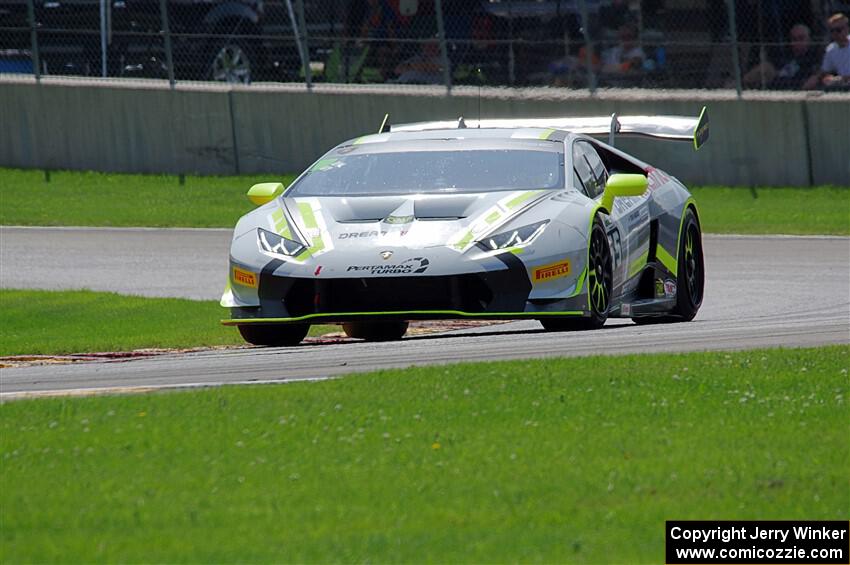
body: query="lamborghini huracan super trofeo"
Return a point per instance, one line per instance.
(485, 219)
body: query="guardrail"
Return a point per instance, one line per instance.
(764, 139)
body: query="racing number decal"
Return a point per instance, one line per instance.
(616, 248)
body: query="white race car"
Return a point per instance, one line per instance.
(489, 219)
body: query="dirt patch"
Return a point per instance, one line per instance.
(416, 328)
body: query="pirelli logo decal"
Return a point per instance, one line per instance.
(553, 271)
(245, 278)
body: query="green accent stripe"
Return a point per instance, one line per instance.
(671, 262)
(638, 264)
(579, 282)
(493, 217)
(465, 241)
(521, 198)
(323, 164)
(593, 213)
(307, 214)
(280, 224)
(485, 315)
(546, 133)
(666, 259)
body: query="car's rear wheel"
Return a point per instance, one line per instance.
(691, 270)
(274, 335)
(600, 282)
(690, 278)
(375, 331)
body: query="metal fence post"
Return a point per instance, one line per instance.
(166, 29)
(511, 55)
(588, 47)
(36, 60)
(103, 38)
(733, 33)
(441, 34)
(305, 42)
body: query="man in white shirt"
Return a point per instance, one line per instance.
(835, 69)
(627, 55)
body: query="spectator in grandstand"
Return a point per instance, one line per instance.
(423, 68)
(625, 57)
(835, 69)
(795, 65)
(379, 24)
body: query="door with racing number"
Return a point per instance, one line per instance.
(628, 222)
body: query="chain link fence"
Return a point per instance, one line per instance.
(581, 44)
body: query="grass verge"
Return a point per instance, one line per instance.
(101, 199)
(820, 210)
(51, 322)
(562, 460)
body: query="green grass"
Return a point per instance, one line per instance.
(50, 322)
(819, 210)
(100, 199)
(559, 460)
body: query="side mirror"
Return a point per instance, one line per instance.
(622, 184)
(264, 192)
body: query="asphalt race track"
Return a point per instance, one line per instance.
(760, 292)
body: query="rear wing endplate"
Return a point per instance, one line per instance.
(671, 128)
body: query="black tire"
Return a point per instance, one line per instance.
(375, 331)
(690, 278)
(600, 283)
(275, 335)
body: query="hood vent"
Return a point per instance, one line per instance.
(373, 209)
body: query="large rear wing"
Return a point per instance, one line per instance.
(671, 128)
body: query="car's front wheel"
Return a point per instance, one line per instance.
(375, 331)
(600, 282)
(275, 335)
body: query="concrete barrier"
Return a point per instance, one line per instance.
(763, 139)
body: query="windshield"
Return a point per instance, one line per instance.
(432, 171)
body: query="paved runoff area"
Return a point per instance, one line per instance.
(761, 291)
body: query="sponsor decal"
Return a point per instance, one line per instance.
(623, 205)
(317, 271)
(670, 288)
(245, 278)
(553, 271)
(659, 288)
(385, 255)
(637, 217)
(656, 178)
(356, 234)
(368, 234)
(616, 248)
(398, 219)
(626, 309)
(408, 267)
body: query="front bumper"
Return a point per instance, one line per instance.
(498, 294)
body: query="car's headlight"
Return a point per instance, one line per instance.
(519, 237)
(270, 242)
